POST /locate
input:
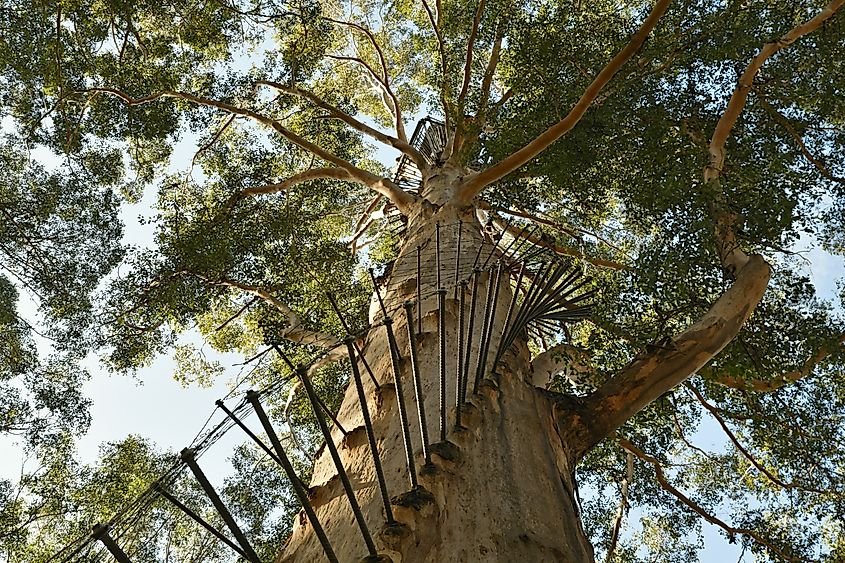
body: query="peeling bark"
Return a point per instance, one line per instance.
(649, 376)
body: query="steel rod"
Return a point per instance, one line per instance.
(437, 251)
(518, 249)
(332, 416)
(236, 419)
(549, 288)
(201, 521)
(458, 256)
(509, 313)
(527, 303)
(367, 367)
(479, 366)
(188, 456)
(472, 307)
(298, 487)
(368, 426)
(341, 471)
(343, 322)
(441, 330)
(400, 401)
(459, 368)
(395, 364)
(101, 533)
(489, 333)
(418, 389)
(511, 243)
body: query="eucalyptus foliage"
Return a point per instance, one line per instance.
(100, 96)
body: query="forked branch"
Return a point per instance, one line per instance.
(652, 374)
(334, 111)
(802, 146)
(714, 411)
(294, 330)
(384, 186)
(732, 256)
(468, 61)
(444, 68)
(490, 71)
(475, 184)
(384, 79)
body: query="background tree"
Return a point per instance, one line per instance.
(594, 122)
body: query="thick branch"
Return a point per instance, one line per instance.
(468, 62)
(740, 94)
(326, 173)
(398, 144)
(695, 507)
(490, 71)
(473, 186)
(386, 187)
(460, 117)
(732, 256)
(652, 374)
(444, 69)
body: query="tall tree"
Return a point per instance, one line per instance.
(674, 151)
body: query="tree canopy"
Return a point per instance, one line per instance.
(660, 146)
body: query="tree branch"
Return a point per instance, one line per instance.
(397, 144)
(385, 76)
(623, 506)
(294, 331)
(384, 186)
(760, 467)
(563, 250)
(740, 94)
(695, 507)
(444, 69)
(490, 71)
(326, 173)
(570, 230)
(650, 375)
(475, 184)
(769, 385)
(730, 252)
(467, 75)
(784, 122)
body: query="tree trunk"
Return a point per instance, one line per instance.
(501, 488)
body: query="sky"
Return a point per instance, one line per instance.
(154, 406)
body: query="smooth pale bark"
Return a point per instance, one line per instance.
(503, 487)
(561, 359)
(648, 377)
(483, 508)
